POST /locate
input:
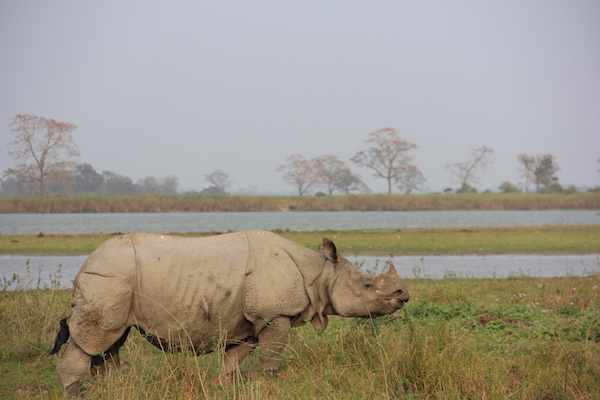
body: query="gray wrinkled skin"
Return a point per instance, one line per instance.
(244, 289)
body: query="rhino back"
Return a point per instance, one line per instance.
(190, 287)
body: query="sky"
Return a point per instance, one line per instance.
(184, 88)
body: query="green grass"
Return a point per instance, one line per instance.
(526, 338)
(569, 239)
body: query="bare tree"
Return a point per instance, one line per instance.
(327, 167)
(334, 174)
(299, 172)
(346, 182)
(42, 148)
(387, 155)
(467, 172)
(539, 170)
(527, 169)
(410, 179)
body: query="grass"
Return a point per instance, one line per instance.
(515, 338)
(526, 338)
(569, 239)
(376, 202)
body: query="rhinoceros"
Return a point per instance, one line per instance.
(237, 290)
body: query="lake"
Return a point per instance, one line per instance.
(295, 221)
(59, 271)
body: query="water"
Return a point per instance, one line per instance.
(295, 221)
(59, 272)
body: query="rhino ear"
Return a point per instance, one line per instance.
(329, 251)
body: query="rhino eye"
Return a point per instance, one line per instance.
(368, 285)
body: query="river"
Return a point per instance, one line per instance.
(295, 221)
(47, 271)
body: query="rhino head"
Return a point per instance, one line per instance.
(353, 294)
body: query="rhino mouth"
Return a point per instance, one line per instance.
(398, 299)
(390, 305)
(400, 296)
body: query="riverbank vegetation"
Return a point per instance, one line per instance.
(427, 202)
(568, 239)
(525, 338)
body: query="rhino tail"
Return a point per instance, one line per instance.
(61, 337)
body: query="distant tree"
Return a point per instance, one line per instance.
(165, 186)
(507, 187)
(87, 180)
(299, 172)
(387, 155)
(117, 185)
(220, 183)
(466, 188)
(540, 170)
(334, 174)
(327, 168)
(410, 179)
(570, 189)
(347, 182)
(466, 173)
(42, 148)
(544, 173)
(148, 185)
(169, 185)
(213, 191)
(12, 186)
(527, 169)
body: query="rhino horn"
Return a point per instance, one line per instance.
(392, 270)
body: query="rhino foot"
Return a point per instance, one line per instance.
(75, 390)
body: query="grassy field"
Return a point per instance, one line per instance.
(515, 338)
(526, 338)
(376, 202)
(569, 239)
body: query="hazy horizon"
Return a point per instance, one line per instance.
(187, 87)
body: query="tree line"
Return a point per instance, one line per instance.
(47, 163)
(46, 160)
(388, 157)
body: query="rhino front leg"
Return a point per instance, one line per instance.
(111, 356)
(273, 338)
(234, 355)
(71, 367)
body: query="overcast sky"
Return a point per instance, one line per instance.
(182, 88)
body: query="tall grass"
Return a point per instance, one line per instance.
(523, 338)
(153, 203)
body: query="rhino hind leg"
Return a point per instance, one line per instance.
(272, 339)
